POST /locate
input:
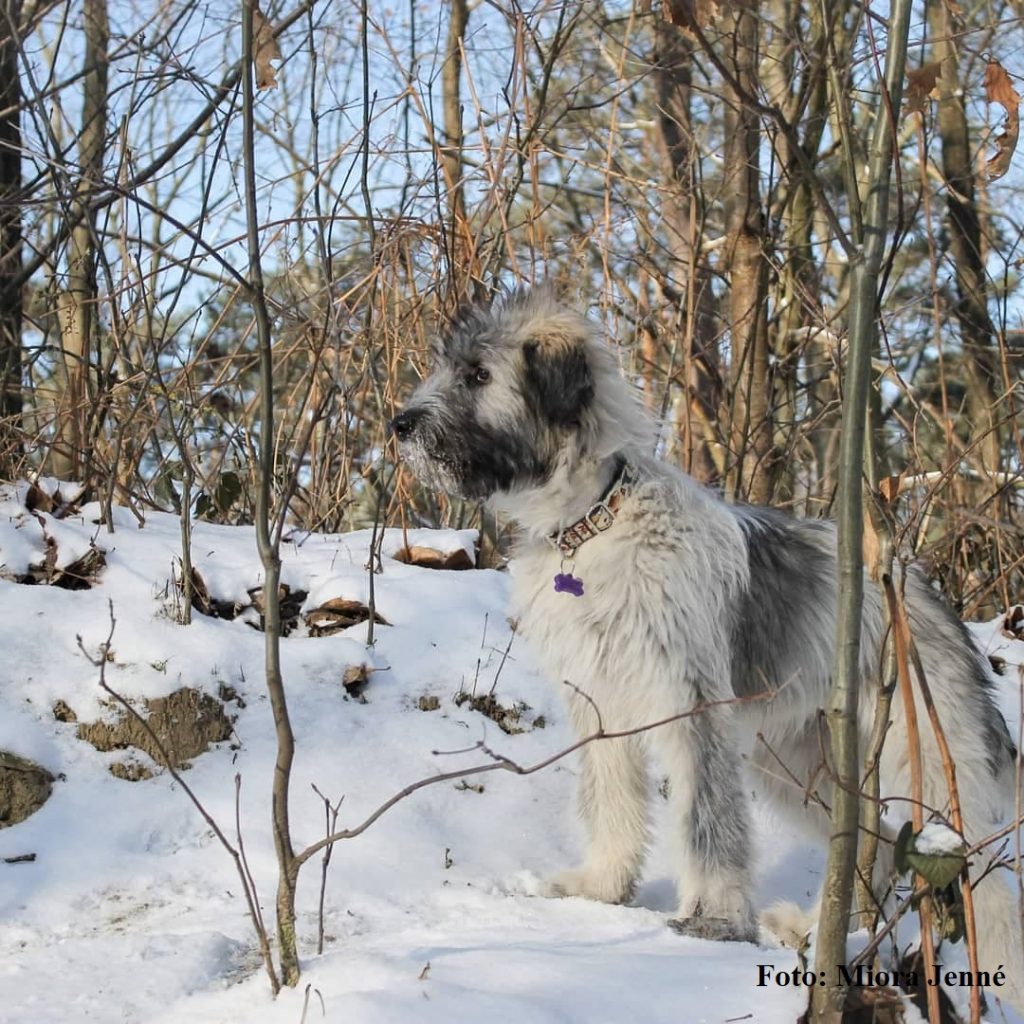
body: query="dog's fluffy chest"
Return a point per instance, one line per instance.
(626, 627)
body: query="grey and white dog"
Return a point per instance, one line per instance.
(651, 596)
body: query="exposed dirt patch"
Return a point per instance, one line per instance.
(24, 787)
(510, 719)
(130, 771)
(63, 712)
(187, 723)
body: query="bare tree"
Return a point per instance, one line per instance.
(77, 302)
(746, 246)
(10, 236)
(837, 892)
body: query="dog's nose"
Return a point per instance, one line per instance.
(404, 423)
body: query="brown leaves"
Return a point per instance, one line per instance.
(337, 614)
(693, 14)
(920, 86)
(264, 50)
(923, 84)
(355, 678)
(999, 89)
(431, 558)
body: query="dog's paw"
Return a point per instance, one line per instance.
(715, 929)
(788, 924)
(591, 884)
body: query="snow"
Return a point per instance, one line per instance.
(937, 838)
(131, 910)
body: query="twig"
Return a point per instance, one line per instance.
(500, 762)
(330, 824)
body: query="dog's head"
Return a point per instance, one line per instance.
(519, 391)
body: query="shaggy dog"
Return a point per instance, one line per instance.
(650, 596)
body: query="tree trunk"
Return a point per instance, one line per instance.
(77, 304)
(804, 101)
(688, 275)
(268, 537)
(451, 86)
(10, 239)
(837, 893)
(747, 269)
(980, 359)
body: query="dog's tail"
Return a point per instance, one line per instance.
(1000, 942)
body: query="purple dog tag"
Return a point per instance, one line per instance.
(566, 583)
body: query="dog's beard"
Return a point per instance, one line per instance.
(475, 461)
(437, 470)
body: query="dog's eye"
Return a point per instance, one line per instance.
(479, 375)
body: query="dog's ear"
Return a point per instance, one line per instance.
(558, 378)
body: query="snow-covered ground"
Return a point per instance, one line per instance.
(131, 911)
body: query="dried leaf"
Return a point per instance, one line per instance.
(84, 572)
(264, 50)
(1006, 144)
(200, 593)
(431, 558)
(693, 14)
(355, 679)
(37, 500)
(889, 487)
(338, 613)
(920, 85)
(999, 89)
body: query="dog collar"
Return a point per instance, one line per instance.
(600, 516)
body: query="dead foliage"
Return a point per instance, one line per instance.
(289, 601)
(337, 614)
(81, 574)
(921, 86)
(694, 15)
(264, 50)
(430, 558)
(58, 504)
(205, 603)
(355, 678)
(999, 89)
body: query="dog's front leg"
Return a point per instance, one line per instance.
(708, 807)
(613, 805)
